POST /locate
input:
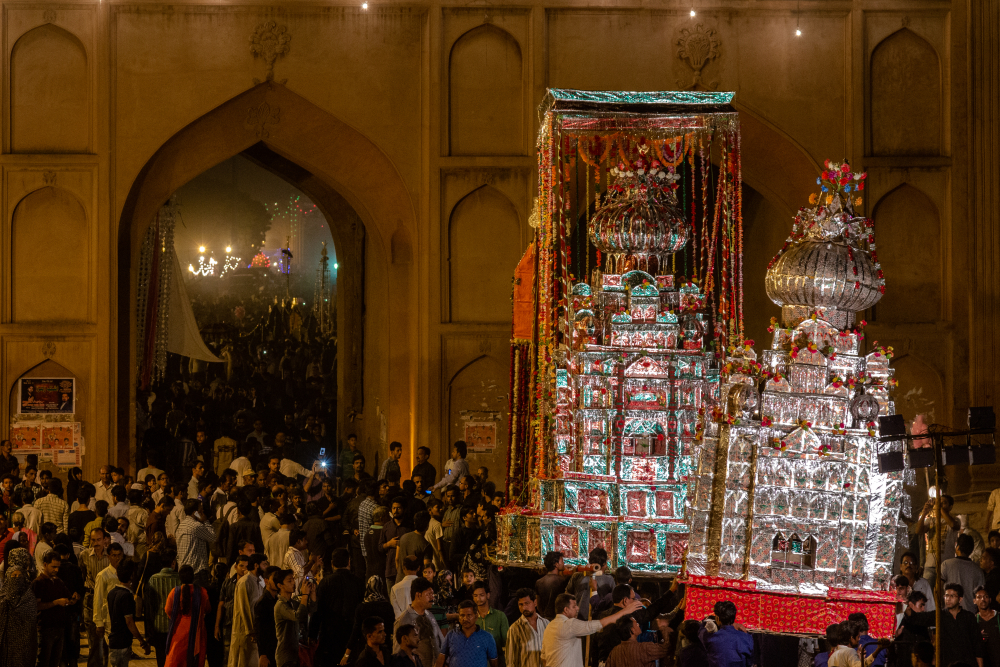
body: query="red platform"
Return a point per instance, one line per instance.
(790, 613)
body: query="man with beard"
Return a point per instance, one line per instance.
(524, 638)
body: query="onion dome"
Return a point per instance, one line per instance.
(828, 264)
(640, 215)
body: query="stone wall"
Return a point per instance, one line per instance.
(421, 117)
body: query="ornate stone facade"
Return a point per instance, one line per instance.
(416, 121)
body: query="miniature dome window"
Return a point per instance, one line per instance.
(643, 437)
(793, 552)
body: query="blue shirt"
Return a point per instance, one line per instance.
(821, 659)
(870, 645)
(475, 650)
(729, 647)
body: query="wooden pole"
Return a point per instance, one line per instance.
(938, 594)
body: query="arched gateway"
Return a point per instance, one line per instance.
(342, 171)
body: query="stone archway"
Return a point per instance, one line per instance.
(338, 165)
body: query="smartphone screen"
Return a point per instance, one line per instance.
(322, 451)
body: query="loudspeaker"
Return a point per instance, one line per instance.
(956, 456)
(982, 419)
(921, 458)
(890, 426)
(890, 462)
(984, 455)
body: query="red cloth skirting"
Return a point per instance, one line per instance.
(790, 613)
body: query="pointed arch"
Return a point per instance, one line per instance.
(908, 232)
(49, 270)
(294, 136)
(484, 247)
(906, 116)
(49, 92)
(486, 93)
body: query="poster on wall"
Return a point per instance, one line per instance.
(46, 396)
(480, 436)
(26, 437)
(61, 435)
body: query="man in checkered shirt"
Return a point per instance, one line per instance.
(53, 508)
(194, 537)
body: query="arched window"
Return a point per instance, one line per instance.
(793, 552)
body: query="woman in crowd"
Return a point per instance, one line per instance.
(187, 642)
(376, 604)
(18, 612)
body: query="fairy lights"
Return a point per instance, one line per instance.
(205, 267)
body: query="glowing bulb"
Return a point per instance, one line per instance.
(336, 266)
(364, 5)
(692, 13)
(229, 248)
(191, 268)
(201, 248)
(798, 33)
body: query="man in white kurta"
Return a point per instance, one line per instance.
(242, 648)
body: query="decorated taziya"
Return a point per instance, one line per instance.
(829, 263)
(639, 216)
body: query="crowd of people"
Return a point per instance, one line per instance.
(270, 562)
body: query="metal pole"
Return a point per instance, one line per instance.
(938, 588)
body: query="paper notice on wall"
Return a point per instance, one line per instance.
(66, 457)
(480, 436)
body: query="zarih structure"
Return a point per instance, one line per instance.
(642, 421)
(790, 512)
(620, 310)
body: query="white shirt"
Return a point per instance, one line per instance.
(276, 547)
(193, 487)
(104, 581)
(924, 587)
(157, 496)
(174, 518)
(32, 518)
(241, 465)
(399, 596)
(119, 510)
(268, 526)
(454, 469)
(126, 545)
(290, 468)
(40, 550)
(845, 656)
(561, 646)
(103, 493)
(434, 529)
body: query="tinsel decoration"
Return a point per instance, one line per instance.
(156, 261)
(679, 143)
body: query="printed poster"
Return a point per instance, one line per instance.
(480, 436)
(59, 435)
(26, 437)
(46, 396)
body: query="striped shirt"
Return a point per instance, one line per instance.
(524, 644)
(55, 510)
(193, 539)
(295, 561)
(160, 585)
(92, 564)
